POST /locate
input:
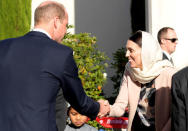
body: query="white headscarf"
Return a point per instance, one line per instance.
(152, 63)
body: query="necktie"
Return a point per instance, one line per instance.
(171, 61)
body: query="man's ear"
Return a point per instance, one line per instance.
(162, 41)
(55, 21)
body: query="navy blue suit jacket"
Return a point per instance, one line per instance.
(32, 70)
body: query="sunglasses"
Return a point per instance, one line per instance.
(172, 39)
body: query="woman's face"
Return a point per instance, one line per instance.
(76, 118)
(133, 54)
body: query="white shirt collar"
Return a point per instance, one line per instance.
(167, 54)
(43, 31)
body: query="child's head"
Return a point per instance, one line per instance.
(76, 118)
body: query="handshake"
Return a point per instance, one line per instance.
(104, 108)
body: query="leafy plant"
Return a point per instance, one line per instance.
(91, 64)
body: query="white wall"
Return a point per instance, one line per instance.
(181, 54)
(171, 13)
(69, 5)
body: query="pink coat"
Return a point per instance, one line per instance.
(129, 96)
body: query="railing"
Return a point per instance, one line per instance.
(113, 122)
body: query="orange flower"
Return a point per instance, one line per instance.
(99, 87)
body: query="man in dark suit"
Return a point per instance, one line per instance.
(180, 100)
(167, 39)
(33, 68)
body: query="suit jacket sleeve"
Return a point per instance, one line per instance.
(178, 106)
(74, 92)
(61, 111)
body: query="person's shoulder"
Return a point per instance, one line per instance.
(166, 75)
(8, 40)
(63, 47)
(183, 73)
(68, 128)
(59, 46)
(89, 128)
(43, 40)
(168, 71)
(85, 127)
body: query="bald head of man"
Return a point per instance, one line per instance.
(53, 18)
(167, 39)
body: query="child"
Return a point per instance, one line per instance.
(77, 121)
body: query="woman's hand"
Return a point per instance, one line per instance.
(104, 108)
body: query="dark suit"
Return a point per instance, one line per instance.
(32, 70)
(180, 100)
(61, 111)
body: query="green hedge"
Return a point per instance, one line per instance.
(91, 62)
(15, 18)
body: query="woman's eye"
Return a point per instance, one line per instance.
(74, 114)
(131, 50)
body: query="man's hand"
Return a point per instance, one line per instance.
(104, 108)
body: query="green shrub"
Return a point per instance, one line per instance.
(15, 18)
(91, 64)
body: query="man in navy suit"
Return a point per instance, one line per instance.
(33, 68)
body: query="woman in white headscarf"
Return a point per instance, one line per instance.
(145, 87)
